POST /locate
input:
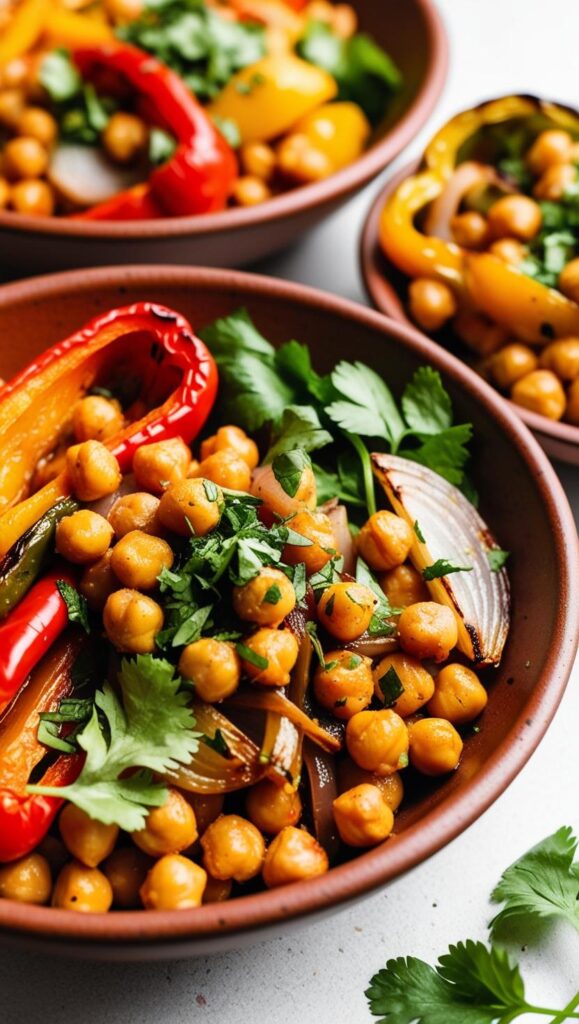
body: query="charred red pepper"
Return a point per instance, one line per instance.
(25, 819)
(198, 177)
(173, 371)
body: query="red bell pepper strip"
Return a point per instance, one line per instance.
(198, 177)
(30, 630)
(137, 203)
(34, 406)
(25, 819)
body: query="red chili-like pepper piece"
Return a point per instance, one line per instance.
(25, 819)
(198, 177)
(30, 630)
(135, 203)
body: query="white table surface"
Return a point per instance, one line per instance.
(320, 973)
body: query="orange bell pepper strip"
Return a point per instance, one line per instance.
(69, 28)
(24, 29)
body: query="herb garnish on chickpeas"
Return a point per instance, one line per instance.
(215, 607)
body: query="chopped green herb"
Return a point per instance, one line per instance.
(252, 657)
(272, 594)
(391, 687)
(76, 604)
(312, 631)
(211, 490)
(443, 568)
(354, 662)
(497, 558)
(330, 665)
(161, 146)
(329, 609)
(419, 532)
(229, 129)
(218, 743)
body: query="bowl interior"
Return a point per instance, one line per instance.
(387, 287)
(536, 528)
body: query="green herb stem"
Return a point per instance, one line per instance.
(364, 454)
(567, 1013)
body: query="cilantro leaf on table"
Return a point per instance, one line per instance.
(365, 73)
(544, 883)
(150, 730)
(193, 39)
(471, 984)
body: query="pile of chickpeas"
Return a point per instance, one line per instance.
(544, 381)
(192, 850)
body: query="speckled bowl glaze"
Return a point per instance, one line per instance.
(386, 287)
(411, 32)
(536, 526)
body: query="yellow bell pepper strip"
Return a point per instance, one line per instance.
(530, 310)
(404, 244)
(69, 29)
(339, 130)
(24, 29)
(266, 99)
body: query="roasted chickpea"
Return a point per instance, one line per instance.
(96, 418)
(562, 357)
(385, 540)
(482, 336)
(93, 470)
(83, 889)
(274, 653)
(271, 807)
(169, 828)
(126, 870)
(553, 184)
(233, 439)
(258, 161)
(362, 816)
(391, 786)
(470, 230)
(431, 303)
(541, 392)
(132, 621)
(345, 610)
(32, 198)
(417, 682)
(162, 463)
(207, 807)
(509, 250)
(83, 537)
(138, 558)
(27, 880)
(98, 582)
(14, 73)
(344, 684)
(317, 528)
(299, 160)
(404, 585)
(125, 137)
(250, 191)
(511, 363)
(12, 103)
(515, 216)
(191, 507)
(265, 487)
(136, 511)
(174, 883)
(37, 123)
(378, 741)
(88, 840)
(572, 411)
(4, 193)
(24, 157)
(428, 630)
(551, 147)
(225, 468)
(569, 280)
(217, 890)
(232, 848)
(266, 600)
(292, 856)
(213, 666)
(459, 695)
(435, 746)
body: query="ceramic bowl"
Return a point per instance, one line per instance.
(411, 32)
(387, 286)
(537, 528)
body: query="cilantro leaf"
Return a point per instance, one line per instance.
(471, 984)
(380, 624)
(76, 604)
(544, 883)
(497, 558)
(288, 469)
(150, 731)
(442, 567)
(426, 405)
(161, 146)
(59, 76)
(391, 687)
(445, 453)
(300, 427)
(370, 409)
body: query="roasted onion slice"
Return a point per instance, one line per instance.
(211, 772)
(452, 530)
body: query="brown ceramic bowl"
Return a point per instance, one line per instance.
(411, 32)
(386, 286)
(537, 527)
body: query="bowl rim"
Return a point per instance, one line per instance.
(449, 818)
(375, 268)
(289, 204)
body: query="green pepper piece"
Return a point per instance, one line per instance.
(24, 561)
